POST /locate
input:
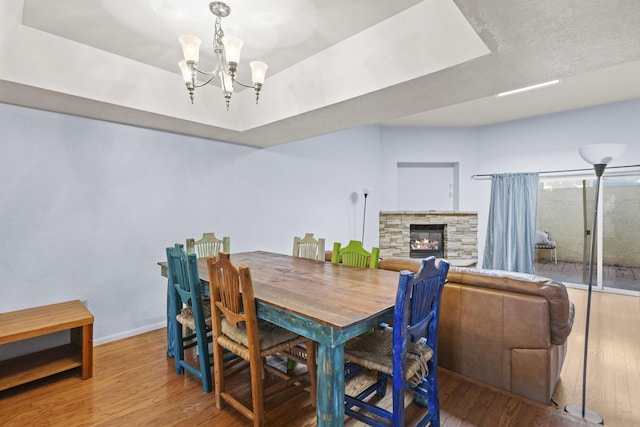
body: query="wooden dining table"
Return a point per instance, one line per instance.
(326, 302)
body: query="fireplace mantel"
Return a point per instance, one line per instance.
(461, 233)
(442, 213)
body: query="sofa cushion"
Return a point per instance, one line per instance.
(560, 309)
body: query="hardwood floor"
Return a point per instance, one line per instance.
(134, 383)
(613, 358)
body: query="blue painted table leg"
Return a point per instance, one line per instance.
(330, 396)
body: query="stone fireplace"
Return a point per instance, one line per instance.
(459, 234)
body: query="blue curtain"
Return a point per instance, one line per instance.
(512, 222)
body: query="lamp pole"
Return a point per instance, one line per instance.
(599, 155)
(366, 192)
(574, 409)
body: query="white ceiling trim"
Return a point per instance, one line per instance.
(380, 62)
(428, 37)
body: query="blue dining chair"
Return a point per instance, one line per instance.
(405, 353)
(188, 308)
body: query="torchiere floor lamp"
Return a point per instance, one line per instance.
(599, 155)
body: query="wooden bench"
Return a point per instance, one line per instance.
(33, 322)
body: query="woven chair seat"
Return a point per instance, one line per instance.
(273, 338)
(375, 351)
(185, 317)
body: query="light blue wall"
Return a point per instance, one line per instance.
(87, 207)
(427, 145)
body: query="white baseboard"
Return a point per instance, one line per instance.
(129, 333)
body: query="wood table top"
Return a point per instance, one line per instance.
(335, 295)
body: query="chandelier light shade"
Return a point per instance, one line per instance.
(232, 48)
(190, 47)
(599, 155)
(227, 51)
(258, 71)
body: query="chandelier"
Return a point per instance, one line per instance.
(227, 56)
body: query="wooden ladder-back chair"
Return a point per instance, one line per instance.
(355, 255)
(308, 247)
(188, 309)
(406, 352)
(237, 328)
(209, 245)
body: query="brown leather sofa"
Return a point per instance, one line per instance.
(505, 329)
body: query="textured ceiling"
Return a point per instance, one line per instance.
(332, 64)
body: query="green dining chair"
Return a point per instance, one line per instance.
(355, 255)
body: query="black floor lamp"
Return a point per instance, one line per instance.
(599, 155)
(366, 191)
